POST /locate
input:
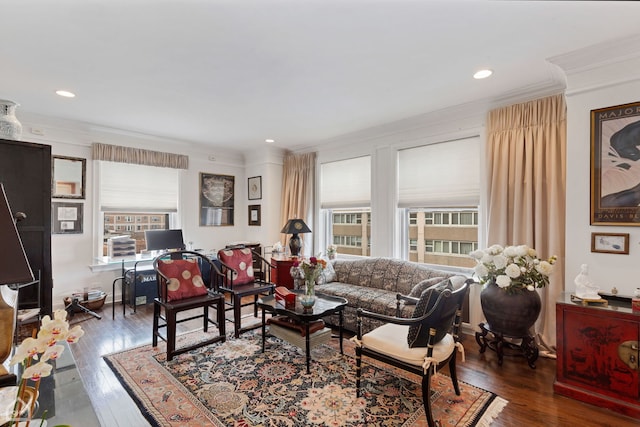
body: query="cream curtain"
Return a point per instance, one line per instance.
(526, 164)
(297, 188)
(138, 156)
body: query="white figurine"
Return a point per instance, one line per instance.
(584, 288)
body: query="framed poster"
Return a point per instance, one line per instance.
(610, 243)
(255, 188)
(67, 217)
(254, 214)
(216, 199)
(615, 165)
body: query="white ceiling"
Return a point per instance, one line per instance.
(234, 72)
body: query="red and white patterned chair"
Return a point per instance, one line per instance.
(181, 287)
(239, 281)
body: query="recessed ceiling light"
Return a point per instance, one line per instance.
(66, 93)
(482, 74)
(269, 141)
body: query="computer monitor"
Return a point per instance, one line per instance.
(162, 240)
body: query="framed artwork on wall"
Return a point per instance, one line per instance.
(254, 214)
(610, 243)
(67, 217)
(615, 165)
(216, 199)
(68, 176)
(255, 188)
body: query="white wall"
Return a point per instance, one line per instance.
(612, 79)
(73, 254)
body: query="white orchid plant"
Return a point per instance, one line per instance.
(512, 268)
(35, 353)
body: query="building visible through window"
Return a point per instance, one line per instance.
(445, 237)
(133, 225)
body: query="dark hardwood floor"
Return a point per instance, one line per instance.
(532, 401)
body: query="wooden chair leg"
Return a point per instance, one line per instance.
(205, 313)
(221, 317)
(426, 397)
(358, 370)
(156, 318)
(237, 309)
(171, 333)
(454, 374)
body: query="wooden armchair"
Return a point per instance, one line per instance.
(239, 281)
(422, 344)
(181, 287)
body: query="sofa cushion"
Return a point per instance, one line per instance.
(328, 273)
(417, 290)
(185, 280)
(419, 334)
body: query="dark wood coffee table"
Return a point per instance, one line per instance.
(325, 305)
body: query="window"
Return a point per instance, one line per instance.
(345, 200)
(439, 193)
(134, 198)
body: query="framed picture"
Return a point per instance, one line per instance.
(254, 214)
(67, 217)
(615, 165)
(216, 199)
(68, 176)
(255, 188)
(610, 243)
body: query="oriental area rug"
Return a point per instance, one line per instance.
(235, 384)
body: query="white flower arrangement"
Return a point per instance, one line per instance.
(514, 268)
(35, 353)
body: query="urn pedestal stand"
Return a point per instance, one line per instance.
(496, 342)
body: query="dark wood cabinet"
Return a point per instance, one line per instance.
(597, 350)
(280, 271)
(25, 171)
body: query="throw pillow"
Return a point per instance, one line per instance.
(418, 335)
(417, 290)
(240, 260)
(328, 274)
(184, 276)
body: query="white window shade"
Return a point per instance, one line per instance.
(131, 188)
(346, 183)
(446, 174)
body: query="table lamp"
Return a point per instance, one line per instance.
(295, 227)
(14, 268)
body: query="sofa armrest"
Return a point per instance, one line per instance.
(408, 300)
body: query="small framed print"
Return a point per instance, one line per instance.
(67, 217)
(610, 243)
(254, 214)
(255, 188)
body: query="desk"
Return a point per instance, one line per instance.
(131, 261)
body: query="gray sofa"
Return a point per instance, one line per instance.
(372, 284)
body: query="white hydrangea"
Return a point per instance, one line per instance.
(512, 271)
(495, 249)
(510, 251)
(522, 250)
(481, 270)
(500, 261)
(503, 281)
(544, 268)
(477, 254)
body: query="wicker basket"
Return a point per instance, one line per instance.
(93, 305)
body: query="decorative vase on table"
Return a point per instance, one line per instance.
(311, 271)
(510, 313)
(10, 126)
(308, 299)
